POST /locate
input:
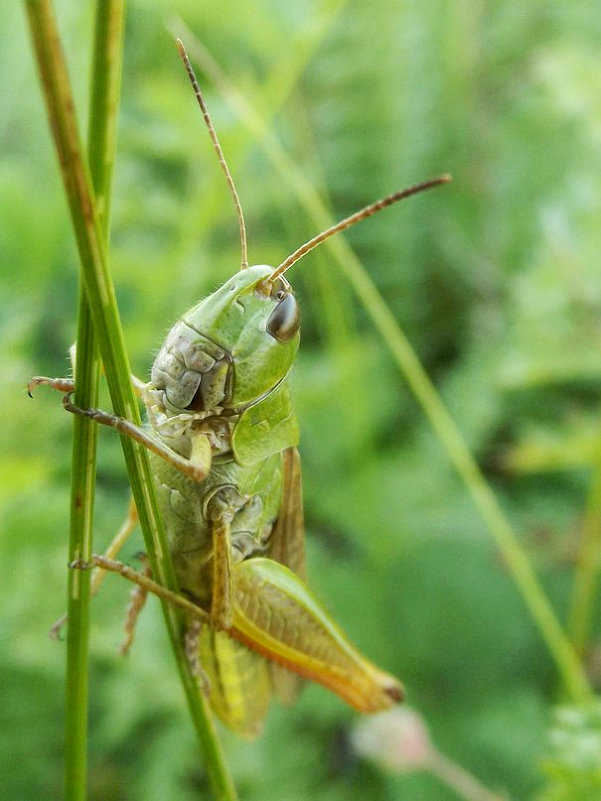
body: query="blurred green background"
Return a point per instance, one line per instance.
(494, 279)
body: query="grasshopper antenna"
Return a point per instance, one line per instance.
(218, 150)
(354, 218)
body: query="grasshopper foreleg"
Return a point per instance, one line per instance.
(68, 384)
(59, 384)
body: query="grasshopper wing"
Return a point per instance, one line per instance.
(287, 546)
(287, 543)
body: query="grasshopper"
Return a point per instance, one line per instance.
(223, 441)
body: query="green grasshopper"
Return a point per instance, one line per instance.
(224, 454)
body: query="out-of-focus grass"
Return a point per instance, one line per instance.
(495, 282)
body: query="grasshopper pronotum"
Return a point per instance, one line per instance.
(223, 441)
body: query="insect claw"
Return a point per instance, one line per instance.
(35, 382)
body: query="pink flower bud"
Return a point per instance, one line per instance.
(396, 739)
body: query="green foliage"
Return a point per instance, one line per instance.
(573, 766)
(495, 282)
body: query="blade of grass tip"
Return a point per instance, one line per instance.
(101, 298)
(102, 118)
(558, 644)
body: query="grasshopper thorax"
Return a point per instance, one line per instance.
(230, 349)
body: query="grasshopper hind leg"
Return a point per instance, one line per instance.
(137, 600)
(193, 633)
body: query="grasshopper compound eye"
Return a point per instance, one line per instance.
(284, 321)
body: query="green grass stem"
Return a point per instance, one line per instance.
(104, 313)
(87, 376)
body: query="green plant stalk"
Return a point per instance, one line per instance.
(560, 648)
(586, 578)
(80, 546)
(103, 307)
(104, 96)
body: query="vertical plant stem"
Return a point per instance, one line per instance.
(103, 307)
(104, 96)
(80, 546)
(588, 563)
(558, 644)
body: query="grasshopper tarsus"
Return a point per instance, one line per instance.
(59, 384)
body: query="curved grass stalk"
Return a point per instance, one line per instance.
(104, 314)
(558, 644)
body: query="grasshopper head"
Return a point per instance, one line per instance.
(232, 347)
